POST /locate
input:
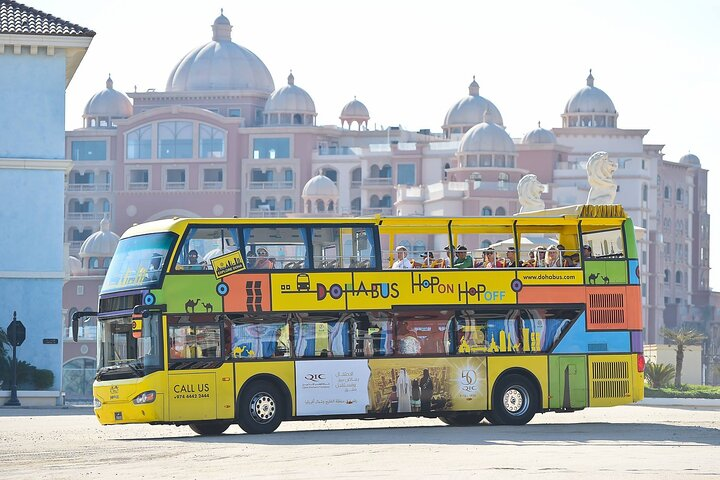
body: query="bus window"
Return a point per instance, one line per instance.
(201, 244)
(258, 338)
(322, 336)
(510, 331)
(138, 261)
(275, 247)
(548, 246)
(423, 334)
(604, 243)
(343, 247)
(373, 334)
(194, 341)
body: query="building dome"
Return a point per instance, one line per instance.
(486, 138)
(690, 159)
(100, 244)
(220, 65)
(590, 107)
(320, 186)
(290, 105)
(469, 111)
(539, 136)
(354, 111)
(106, 105)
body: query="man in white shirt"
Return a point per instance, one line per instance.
(402, 261)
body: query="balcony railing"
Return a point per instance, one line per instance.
(138, 186)
(377, 210)
(87, 187)
(264, 213)
(376, 181)
(285, 185)
(212, 185)
(356, 184)
(174, 185)
(86, 215)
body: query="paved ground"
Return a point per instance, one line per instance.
(609, 443)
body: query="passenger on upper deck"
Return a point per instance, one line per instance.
(463, 260)
(491, 261)
(402, 261)
(587, 252)
(263, 262)
(511, 261)
(552, 258)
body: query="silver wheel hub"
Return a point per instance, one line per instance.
(262, 407)
(514, 401)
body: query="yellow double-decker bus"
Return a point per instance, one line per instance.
(210, 322)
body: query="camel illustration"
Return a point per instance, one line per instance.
(593, 278)
(606, 280)
(208, 307)
(190, 305)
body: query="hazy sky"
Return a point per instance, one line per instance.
(409, 61)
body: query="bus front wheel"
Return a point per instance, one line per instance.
(462, 419)
(515, 401)
(260, 408)
(209, 428)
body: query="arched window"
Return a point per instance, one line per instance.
(374, 201)
(645, 193)
(419, 247)
(485, 244)
(139, 143)
(355, 204)
(320, 205)
(386, 171)
(386, 201)
(331, 173)
(297, 119)
(212, 142)
(678, 277)
(331, 206)
(667, 276)
(487, 212)
(679, 195)
(288, 204)
(667, 193)
(356, 176)
(500, 212)
(175, 140)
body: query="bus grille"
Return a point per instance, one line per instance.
(610, 379)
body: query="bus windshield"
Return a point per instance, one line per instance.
(123, 353)
(138, 261)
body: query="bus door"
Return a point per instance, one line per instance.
(200, 382)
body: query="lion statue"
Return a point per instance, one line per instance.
(600, 170)
(529, 190)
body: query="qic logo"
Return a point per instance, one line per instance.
(468, 381)
(315, 377)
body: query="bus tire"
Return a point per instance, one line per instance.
(462, 419)
(515, 401)
(209, 428)
(260, 408)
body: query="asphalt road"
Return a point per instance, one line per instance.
(609, 443)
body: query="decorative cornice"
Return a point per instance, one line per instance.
(35, 164)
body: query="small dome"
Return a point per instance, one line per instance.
(690, 159)
(320, 186)
(108, 103)
(290, 99)
(73, 266)
(100, 244)
(470, 110)
(590, 99)
(220, 65)
(355, 110)
(538, 136)
(486, 138)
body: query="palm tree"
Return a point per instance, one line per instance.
(681, 338)
(659, 374)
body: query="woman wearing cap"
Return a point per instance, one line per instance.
(402, 261)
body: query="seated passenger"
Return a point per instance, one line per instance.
(552, 259)
(511, 261)
(463, 260)
(575, 259)
(263, 262)
(532, 261)
(428, 260)
(192, 261)
(402, 261)
(587, 252)
(491, 261)
(540, 256)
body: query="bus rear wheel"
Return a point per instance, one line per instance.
(515, 401)
(209, 428)
(462, 419)
(260, 408)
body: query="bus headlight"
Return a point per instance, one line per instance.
(145, 397)
(96, 403)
